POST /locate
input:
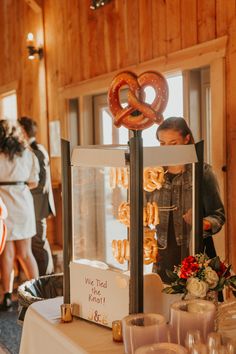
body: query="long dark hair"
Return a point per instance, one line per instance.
(11, 139)
(178, 124)
(30, 127)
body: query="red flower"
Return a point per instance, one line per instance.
(189, 259)
(189, 267)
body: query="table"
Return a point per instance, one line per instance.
(43, 333)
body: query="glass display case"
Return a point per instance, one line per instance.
(101, 205)
(103, 244)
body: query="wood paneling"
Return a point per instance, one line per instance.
(81, 44)
(206, 14)
(231, 141)
(188, 18)
(159, 21)
(173, 35)
(145, 29)
(225, 13)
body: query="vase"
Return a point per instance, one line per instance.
(212, 296)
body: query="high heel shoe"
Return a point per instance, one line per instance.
(6, 304)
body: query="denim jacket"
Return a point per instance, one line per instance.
(178, 192)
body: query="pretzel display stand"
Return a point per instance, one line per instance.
(100, 293)
(96, 179)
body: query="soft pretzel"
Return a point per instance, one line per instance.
(150, 248)
(138, 114)
(112, 177)
(121, 248)
(118, 177)
(153, 178)
(124, 213)
(150, 214)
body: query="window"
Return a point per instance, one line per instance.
(107, 133)
(8, 106)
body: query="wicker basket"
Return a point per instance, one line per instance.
(45, 287)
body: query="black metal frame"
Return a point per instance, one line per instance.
(66, 217)
(136, 223)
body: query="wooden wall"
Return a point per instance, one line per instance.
(81, 44)
(16, 20)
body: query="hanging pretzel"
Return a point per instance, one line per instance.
(121, 248)
(138, 114)
(150, 248)
(153, 178)
(150, 214)
(118, 177)
(124, 213)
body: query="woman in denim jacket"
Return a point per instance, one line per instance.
(173, 231)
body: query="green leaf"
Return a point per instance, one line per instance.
(168, 290)
(220, 285)
(215, 263)
(182, 282)
(173, 276)
(232, 281)
(175, 289)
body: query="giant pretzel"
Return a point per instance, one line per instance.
(138, 114)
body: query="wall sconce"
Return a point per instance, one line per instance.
(32, 50)
(95, 4)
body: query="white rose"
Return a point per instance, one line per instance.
(211, 277)
(196, 287)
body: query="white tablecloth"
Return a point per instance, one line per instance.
(43, 333)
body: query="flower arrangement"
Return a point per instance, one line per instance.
(197, 275)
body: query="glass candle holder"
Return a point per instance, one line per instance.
(192, 337)
(117, 331)
(199, 348)
(161, 348)
(66, 313)
(142, 329)
(214, 340)
(189, 315)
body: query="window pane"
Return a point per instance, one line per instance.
(9, 107)
(174, 107)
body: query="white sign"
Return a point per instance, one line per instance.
(102, 295)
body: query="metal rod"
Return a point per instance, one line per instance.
(199, 197)
(66, 217)
(136, 223)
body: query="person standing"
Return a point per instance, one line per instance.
(43, 199)
(19, 172)
(174, 229)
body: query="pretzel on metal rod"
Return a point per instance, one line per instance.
(138, 115)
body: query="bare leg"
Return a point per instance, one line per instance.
(7, 266)
(26, 258)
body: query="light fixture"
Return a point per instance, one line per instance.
(32, 50)
(95, 4)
